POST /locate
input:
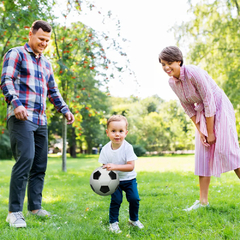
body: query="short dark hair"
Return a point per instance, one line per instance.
(41, 24)
(171, 54)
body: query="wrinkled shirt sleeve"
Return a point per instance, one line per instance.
(10, 72)
(201, 81)
(130, 155)
(188, 108)
(54, 95)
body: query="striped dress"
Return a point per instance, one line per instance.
(200, 95)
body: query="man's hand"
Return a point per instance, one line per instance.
(21, 113)
(70, 117)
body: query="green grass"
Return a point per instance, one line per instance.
(166, 185)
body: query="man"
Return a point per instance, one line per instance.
(27, 80)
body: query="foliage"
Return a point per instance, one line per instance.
(154, 124)
(154, 135)
(15, 17)
(5, 147)
(181, 130)
(79, 59)
(212, 36)
(79, 213)
(139, 150)
(151, 104)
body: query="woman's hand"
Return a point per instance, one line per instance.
(204, 140)
(211, 139)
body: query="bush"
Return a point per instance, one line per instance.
(139, 150)
(5, 146)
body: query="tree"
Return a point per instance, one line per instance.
(213, 42)
(75, 56)
(154, 124)
(151, 104)
(86, 48)
(15, 17)
(78, 58)
(180, 127)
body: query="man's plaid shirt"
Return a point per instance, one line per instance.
(27, 80)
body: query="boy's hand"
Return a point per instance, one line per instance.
(128, 167)
(109, 166)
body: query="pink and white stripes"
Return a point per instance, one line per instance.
(195, 90)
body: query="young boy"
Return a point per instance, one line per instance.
(118, 155)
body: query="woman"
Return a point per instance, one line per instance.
(216, 140)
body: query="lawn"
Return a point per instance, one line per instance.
(166, 185)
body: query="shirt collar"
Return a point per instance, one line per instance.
(181, 77)
(28, 48)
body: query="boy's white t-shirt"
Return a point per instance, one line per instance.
(121, 155)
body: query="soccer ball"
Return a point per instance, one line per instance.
(104, 182)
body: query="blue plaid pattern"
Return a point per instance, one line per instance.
(27, 80)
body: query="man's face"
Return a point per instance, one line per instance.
(39, 40)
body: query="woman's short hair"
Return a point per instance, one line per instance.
(171, 54)
(114, 118)
(45, 26)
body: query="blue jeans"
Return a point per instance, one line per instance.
(130, 187)
(29, 143)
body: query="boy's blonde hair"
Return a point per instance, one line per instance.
(114, 118)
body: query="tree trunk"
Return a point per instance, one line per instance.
(64, 147)
(89, 146)
(73, 145)
(237, 6)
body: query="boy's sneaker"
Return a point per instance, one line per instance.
(114, 227)
(136, 224)
(196, 205)
(16, 219)
(40, 213)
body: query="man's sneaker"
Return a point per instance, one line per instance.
(114, 227)
(16, 219)
(40, 213)
(136, 224)
(196, 205)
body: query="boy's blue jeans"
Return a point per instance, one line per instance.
(130, 187)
